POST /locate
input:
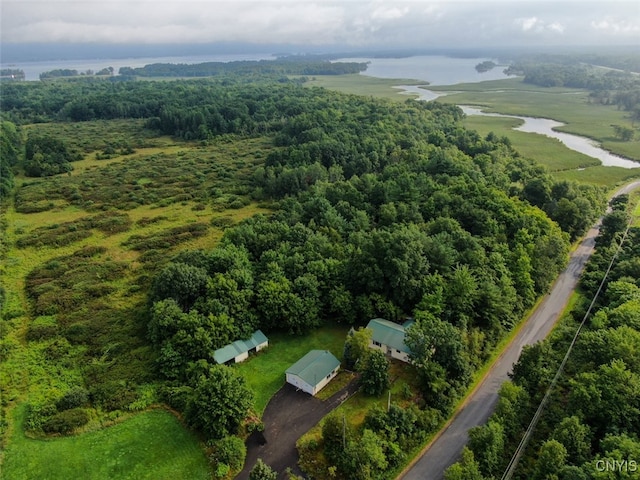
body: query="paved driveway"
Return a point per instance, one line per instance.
(289, 414)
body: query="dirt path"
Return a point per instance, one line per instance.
(289, 415)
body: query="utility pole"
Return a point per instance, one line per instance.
(344, 432)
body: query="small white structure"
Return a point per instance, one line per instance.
(313, 371)
(389, 338)
(239, 350)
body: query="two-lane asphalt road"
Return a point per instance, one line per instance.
(445, 449)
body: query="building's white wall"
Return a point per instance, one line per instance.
(242, 357)
(325, 380)
(299, 383)
(402, 356)
(382, 348)
(305, 387)
(261, 346)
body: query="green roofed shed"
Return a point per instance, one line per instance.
(239, 350)
(313, 371)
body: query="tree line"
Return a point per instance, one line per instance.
(589, 429)
(280, 66)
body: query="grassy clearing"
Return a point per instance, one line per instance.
(338, 383)
(570, 106)
(150, 445)
(364, 85)
(265, 373)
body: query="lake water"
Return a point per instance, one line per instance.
(435, 69)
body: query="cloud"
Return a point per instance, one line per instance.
(385, 13)
(610, 25)
(321, 22)
(535, 25)
(527, 23)
(556, 27)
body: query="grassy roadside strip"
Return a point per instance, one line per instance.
(635, 199)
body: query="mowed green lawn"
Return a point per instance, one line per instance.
(151, 445)
(265, 372)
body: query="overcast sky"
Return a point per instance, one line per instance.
(357, 23)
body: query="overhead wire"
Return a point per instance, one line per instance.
(513, 463)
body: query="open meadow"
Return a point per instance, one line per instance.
(151, 445)
(81, 250)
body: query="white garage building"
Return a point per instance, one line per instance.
(313, 371)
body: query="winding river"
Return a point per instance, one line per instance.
(542, 126)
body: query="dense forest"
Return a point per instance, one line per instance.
(589, 428)
(377, 209)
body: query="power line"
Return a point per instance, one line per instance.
(534, 421)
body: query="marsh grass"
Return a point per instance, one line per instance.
(364, 85)
(570, 106)
(544, 150)
(607, 177)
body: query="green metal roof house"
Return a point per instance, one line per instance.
(239, 350)
(313, 371)
(389, 337)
